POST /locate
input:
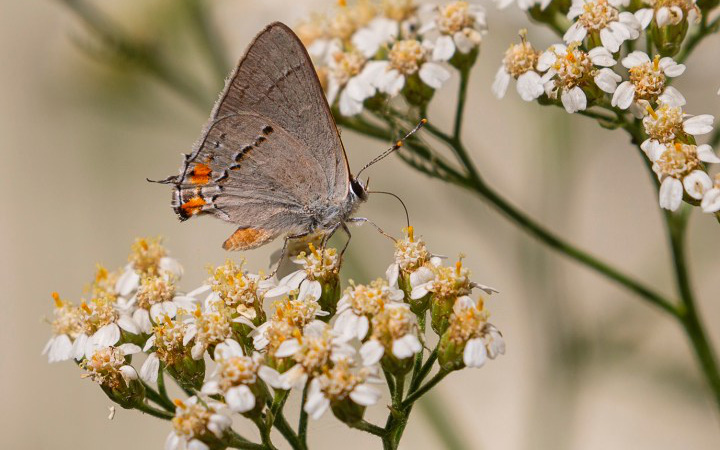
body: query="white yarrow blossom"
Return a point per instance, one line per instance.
(407, 58)
(469, 330)
(457, 26)
(648, 81)
(337, 384)
(678, 167)
(360, 303)
(236, 375)
(197, 421)
(520, 63)
(394, 332)
(568, 70)
(602, 20)
(711, 201)
(667, 123)
(668, 13)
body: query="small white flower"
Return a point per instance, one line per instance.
(520, 62)
(359, 304)
(602, 19)
(339, 383)
(678, 168)
(668, 13)
(648, 81)
(394, 331)
(457, 26)
(711, 201)
(569, 69)
(195, 422)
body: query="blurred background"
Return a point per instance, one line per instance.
(588, 365)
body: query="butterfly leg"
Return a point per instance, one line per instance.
(365, 219)
(284, 250)
(349, 235)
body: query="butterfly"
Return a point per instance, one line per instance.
(270, 159)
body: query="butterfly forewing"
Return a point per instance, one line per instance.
(276, 79)
(270, 159)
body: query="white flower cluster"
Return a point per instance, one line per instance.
(589, 70)
(392, 48)
(315, 338)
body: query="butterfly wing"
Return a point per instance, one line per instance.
(251, 172)
(271, 150)
(276, 79)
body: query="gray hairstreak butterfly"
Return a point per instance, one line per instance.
(270, 159)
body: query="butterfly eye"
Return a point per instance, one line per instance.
(358, 189)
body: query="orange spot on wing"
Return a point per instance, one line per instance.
(247, 238)
(200, 174)
(192, 206)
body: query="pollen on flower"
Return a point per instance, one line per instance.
(346, 65)
(236, 289)
(97, 313)
(678, 160)
(664, 124)
(649, 80)
(520, 58)
(297, 312)
(337, 382)
(410, 253)
(467, 323)
(237, 370)
(450, 282)
(574, 68)
(597, 15)
(169, 341)
(320, 264)
(314, 352)
(213, 326)
(104, 367)
(454, 18)
(393, 323)
(155, 289)
(369, 299)
(67, 318)
(191, 420)
(399, 10)
(104, 283)
(146, 254)
(406, 56)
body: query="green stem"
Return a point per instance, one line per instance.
(477, 185)
(460, 108)
(676, 226)
(416, 394)
(264, 430)
(425, 370)
(282, 425)
(368, 427)
(303, 422)
(158, 398)
(147, 409)
(234, 440)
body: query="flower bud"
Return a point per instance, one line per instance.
(669, 38)
(188, 372)
(347, 411)
(441, 309)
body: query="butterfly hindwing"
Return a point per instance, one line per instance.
(251, 172)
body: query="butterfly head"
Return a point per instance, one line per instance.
(359, 188)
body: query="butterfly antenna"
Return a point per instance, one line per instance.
(407, 215)
(397, 146)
